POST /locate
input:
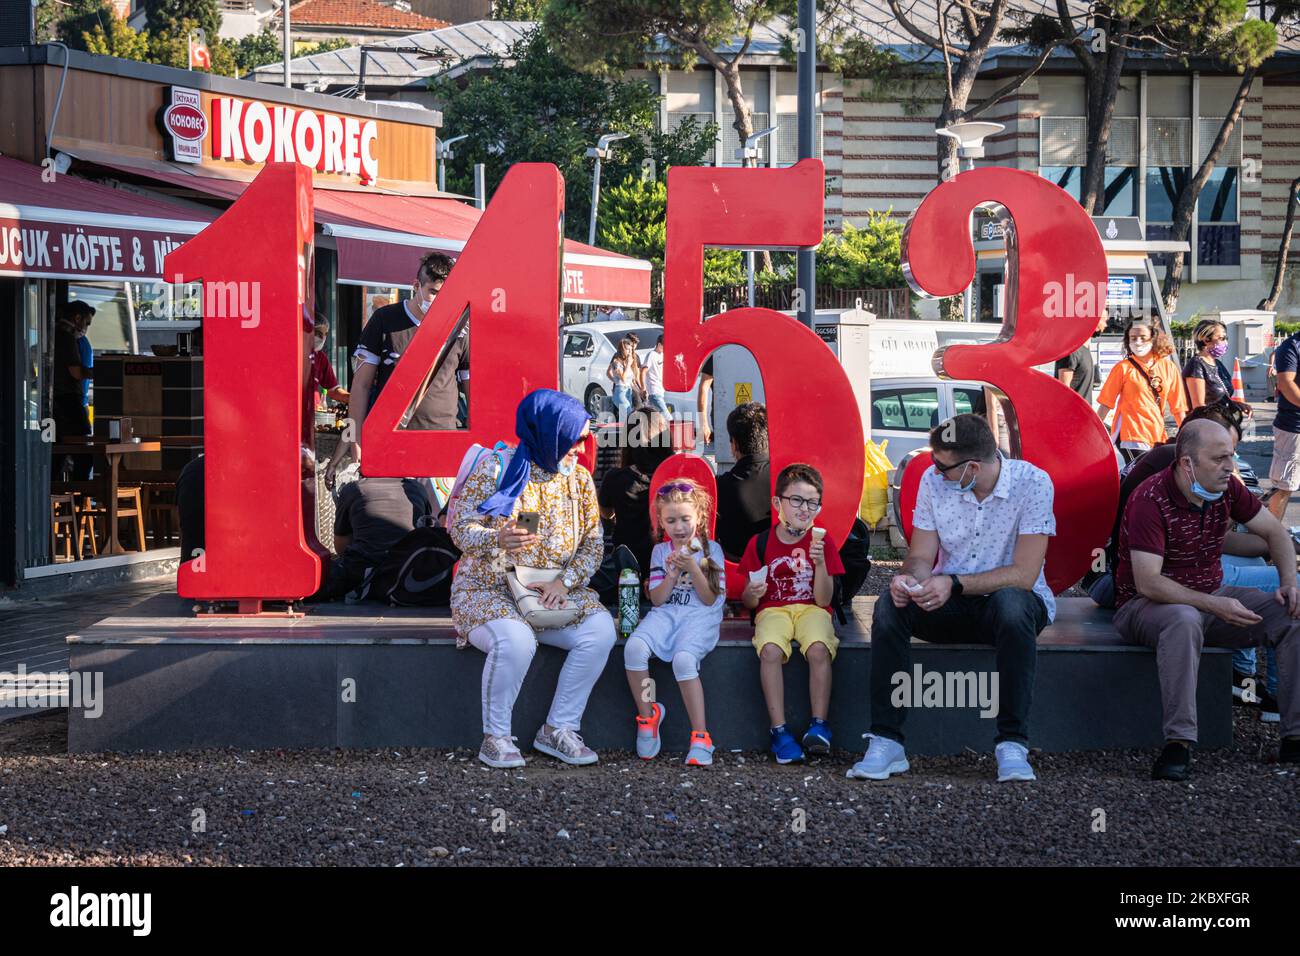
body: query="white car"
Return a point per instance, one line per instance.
(586, 350)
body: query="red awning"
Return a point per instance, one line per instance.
(58, 226)
(380, 237)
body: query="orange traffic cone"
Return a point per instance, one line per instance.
(1238, 390)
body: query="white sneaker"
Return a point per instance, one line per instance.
(1013, 762)
(565, 745)
(501, 753)
(883, 758)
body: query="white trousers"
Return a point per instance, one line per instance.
(510, 646)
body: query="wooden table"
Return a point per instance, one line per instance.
(113, 452)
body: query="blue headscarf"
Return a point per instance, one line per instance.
(548, 424)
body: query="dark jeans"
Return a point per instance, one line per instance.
(1009, 619)
(342, 574)
(71, 419)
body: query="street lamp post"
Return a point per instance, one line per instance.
(445, 152)
(602, 150)
(747, 154)
(970, 147)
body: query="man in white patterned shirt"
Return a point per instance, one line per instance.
(973, 574)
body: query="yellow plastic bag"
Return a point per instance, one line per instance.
(875, 483)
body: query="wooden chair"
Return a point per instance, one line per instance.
(164, 518)
(129, 505)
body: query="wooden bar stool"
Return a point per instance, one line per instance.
(64, 526)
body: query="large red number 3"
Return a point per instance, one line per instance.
(1053, 254)
(812, 413)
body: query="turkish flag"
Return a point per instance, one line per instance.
(199, 56)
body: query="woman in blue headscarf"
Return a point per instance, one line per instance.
(541, 475)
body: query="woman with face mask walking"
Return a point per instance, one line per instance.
(1141, 389)
(1208, 379)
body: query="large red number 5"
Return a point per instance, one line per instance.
(812, 413)
(1053, 255)
(253, 262)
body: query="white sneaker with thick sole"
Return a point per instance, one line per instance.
(883, 758)
(501, 753)
(1013, 762)
(565, 745)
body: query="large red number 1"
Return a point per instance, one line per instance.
(812, 413)
(253, 262)
(1053, 255)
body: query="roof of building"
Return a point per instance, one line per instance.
(478, 44)
(359, 13)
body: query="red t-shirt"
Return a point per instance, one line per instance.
(322, 373)
(1159, 520)
(789, 572)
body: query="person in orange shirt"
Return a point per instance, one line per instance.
(1141, 388)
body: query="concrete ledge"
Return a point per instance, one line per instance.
(173, 682)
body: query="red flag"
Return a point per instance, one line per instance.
(199, 56)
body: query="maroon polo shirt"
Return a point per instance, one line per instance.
(1159, 520)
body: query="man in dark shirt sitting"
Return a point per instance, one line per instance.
(372, 515)
(1168, 586)
(745, 492)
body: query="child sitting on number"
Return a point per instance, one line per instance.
(686, 588)
(791, 570)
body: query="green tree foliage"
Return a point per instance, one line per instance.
(540, 110)
(866, 258)
(256, 49)
(518, 9)
(118, 40)
(173, 18)
(73, 19)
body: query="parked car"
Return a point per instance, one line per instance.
(586, 350)
(904, 409)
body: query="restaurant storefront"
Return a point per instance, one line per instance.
(112, 166)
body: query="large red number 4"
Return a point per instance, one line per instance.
(1053, 255)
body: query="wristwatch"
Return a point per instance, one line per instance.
(568, 580)
(956, 584)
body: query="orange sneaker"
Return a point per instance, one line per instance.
(701, 752)
(647, 732)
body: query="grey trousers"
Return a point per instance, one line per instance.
(1179, 631)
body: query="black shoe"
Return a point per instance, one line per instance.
(1174, 763)
(1268, 709)
(1290, 752)
(1245, 688)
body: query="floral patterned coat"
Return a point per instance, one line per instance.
(479, 593)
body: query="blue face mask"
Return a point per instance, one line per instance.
(1203, 493)
(968, 485)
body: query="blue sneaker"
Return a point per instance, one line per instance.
(785, 747)
(883, 758)
(818, 738)
(1013, 762)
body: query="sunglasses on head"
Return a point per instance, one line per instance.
(665, 490)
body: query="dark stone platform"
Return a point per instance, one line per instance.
(175, 682)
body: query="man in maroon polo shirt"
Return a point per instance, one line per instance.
(1168, 594)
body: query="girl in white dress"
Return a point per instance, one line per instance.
(687, 590)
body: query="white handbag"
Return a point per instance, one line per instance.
(528, 602)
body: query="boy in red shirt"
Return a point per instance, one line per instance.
(791, 570)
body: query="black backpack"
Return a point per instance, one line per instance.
(417, 571)
(855, 555)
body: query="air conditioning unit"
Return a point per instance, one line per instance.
(17, 22)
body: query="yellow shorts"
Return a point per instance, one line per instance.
(806, 623)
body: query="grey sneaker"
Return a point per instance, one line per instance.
(565, 745)
(501, 753)
(1013, 762)
(883, 758)
(647, 732)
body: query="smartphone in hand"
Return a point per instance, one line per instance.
(529, 521)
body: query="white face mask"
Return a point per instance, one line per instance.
(317, 342)
(1140, 349)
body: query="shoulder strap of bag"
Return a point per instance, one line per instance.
(1145, 377)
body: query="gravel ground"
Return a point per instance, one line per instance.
(426, 807)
